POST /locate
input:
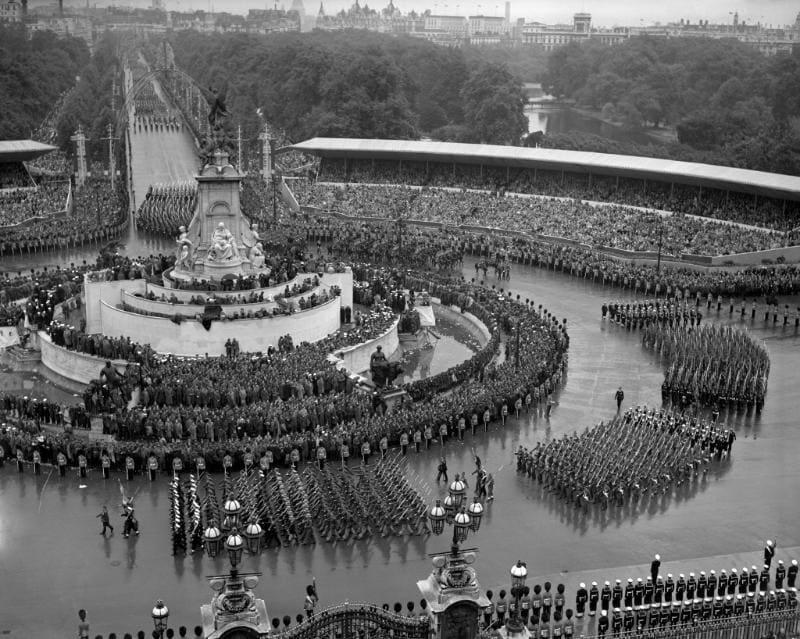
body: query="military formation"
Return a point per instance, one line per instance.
(639, 454)
(712, 365)
(326, 502)
(167, 207)
(661, 312)
(657, 602)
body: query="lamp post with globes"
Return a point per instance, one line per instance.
(462, 518)
(519, 573)
(160, 616)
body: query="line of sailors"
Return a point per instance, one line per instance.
(657, 311)
(648, 603)
(157, 123)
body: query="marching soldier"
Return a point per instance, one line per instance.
(61, 460)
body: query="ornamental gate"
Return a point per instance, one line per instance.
(358, 621)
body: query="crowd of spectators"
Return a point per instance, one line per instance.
(98, 215)
(47, 197)
(769, 213)
(610, 226)
(14, 175)
(376, 241)
(166, 207)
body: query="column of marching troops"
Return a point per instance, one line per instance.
(640, 452)
(644, 605)
(339, 503)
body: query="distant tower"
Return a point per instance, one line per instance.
(80, 155)
(508, 13)
(321, 12)
(297, 5)
(61, 7)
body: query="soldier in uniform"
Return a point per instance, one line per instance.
(581, 597)
(638, 592)
(602, 624)
(680, 588)
(791, 574)
(605, 596)
(616, 594)
(629, 593)
(780, 574)
(594, 597)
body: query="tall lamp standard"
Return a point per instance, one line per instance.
(519, 573)
(463, 519)
(160, 616)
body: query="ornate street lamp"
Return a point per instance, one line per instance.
(252, 536)
(519, 573)
(160, 616)
(458, 490)
(449, 507)
(475, 512)
(235, 546)
(437, 517)
(461, 526)
(232, 508)
(212, 540)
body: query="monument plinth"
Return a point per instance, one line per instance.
(219, 240)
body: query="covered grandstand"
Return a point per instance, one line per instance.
(669, 172)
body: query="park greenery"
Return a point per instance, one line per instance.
(358, 84)
(35, 69)
(728, 103)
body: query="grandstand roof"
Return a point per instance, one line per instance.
(22, 150)
(724, 177)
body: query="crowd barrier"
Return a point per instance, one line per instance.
(352, 620)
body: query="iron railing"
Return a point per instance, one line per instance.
(355, 620)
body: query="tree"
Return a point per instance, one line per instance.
(494, 106)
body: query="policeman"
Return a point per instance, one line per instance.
(594, 597)
(105, 462)
(322, 454)
(581, 597)
(2, 456)
(37, 462)
(61, 461)
(404, 443)
(417, 439)
(429, 436)
(82, 465)
(20, 461)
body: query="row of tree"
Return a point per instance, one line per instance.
(727, 102)
(360, 84)
(34, 72)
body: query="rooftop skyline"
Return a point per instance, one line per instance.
(605, 12)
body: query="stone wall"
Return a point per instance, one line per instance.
(78, 367)
(356, 358)
(95, 293)
(190, 338)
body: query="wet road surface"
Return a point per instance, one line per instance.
(50, 549)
